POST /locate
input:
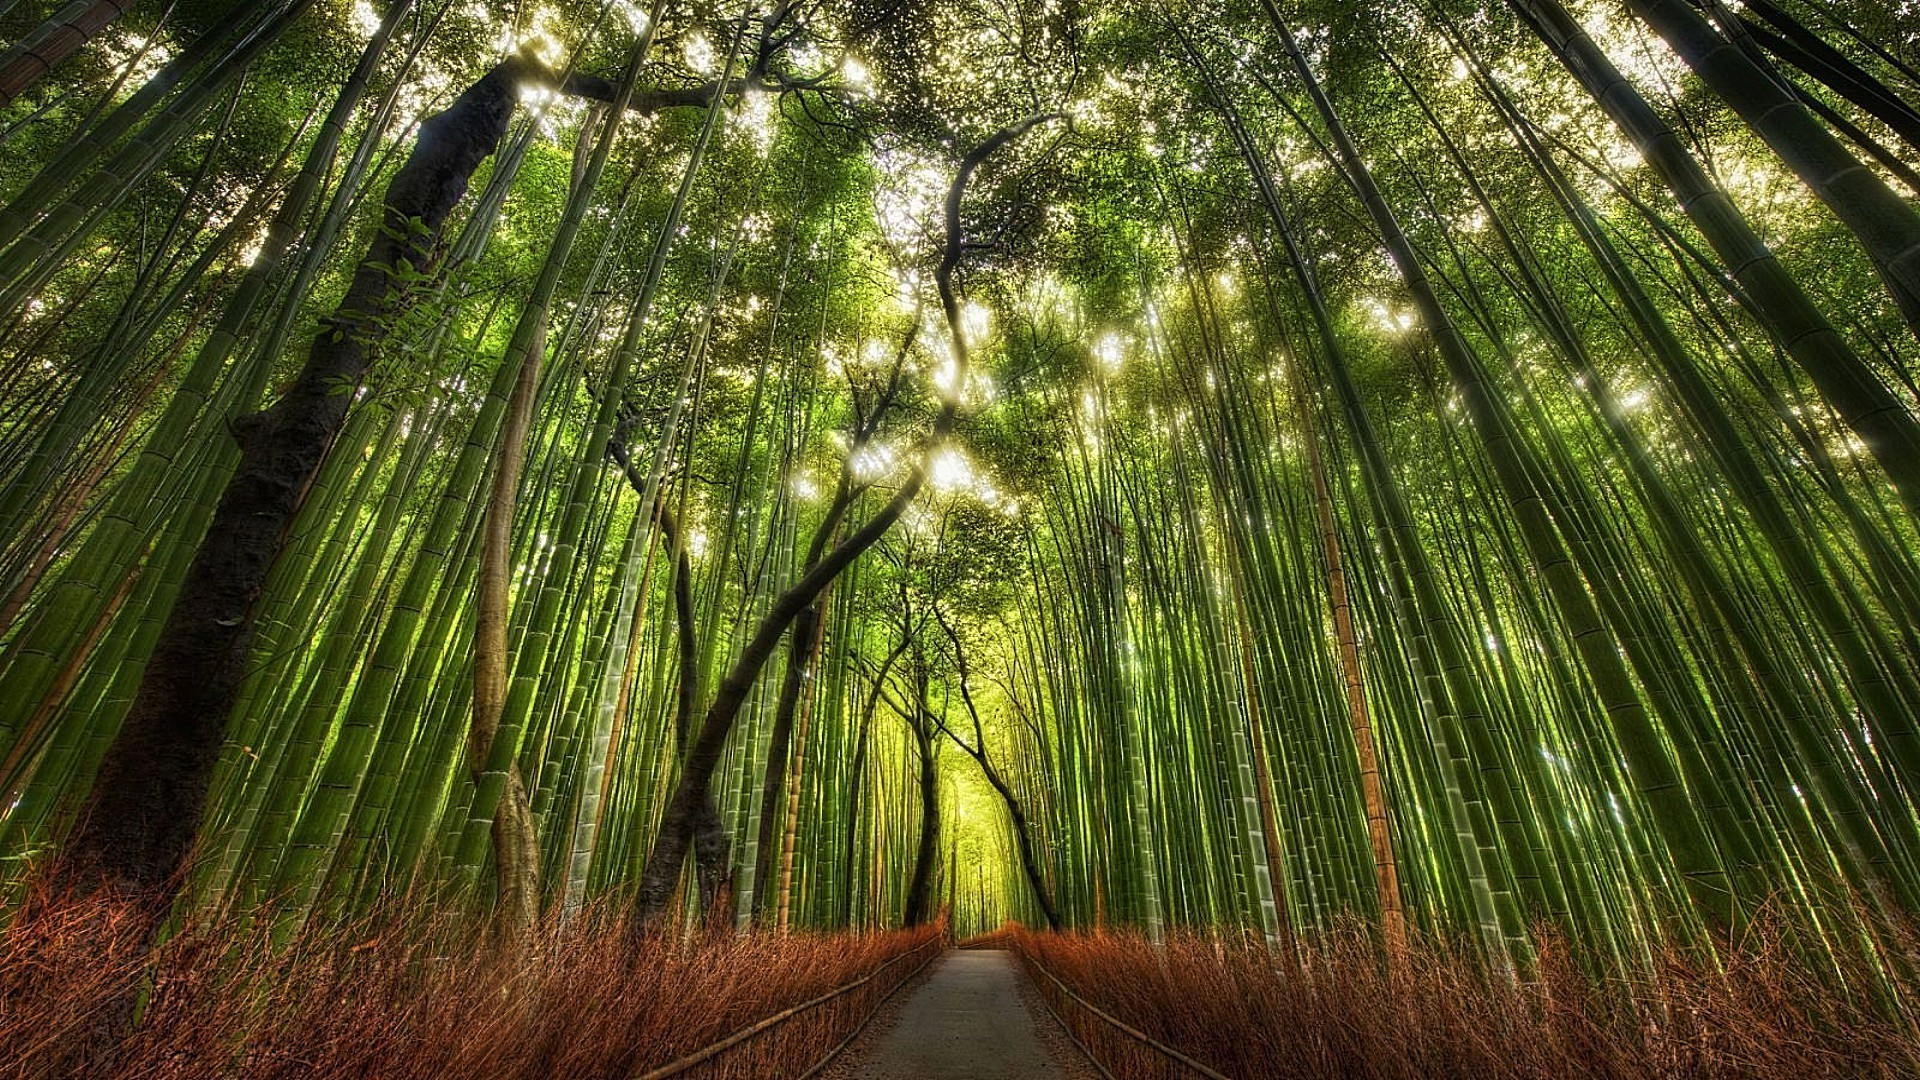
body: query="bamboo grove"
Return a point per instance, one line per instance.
(1447, 463)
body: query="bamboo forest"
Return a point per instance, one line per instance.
(959, 538)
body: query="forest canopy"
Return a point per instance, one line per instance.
(1447, 464)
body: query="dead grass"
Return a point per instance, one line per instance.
(412, 993)
(1346, 1012)
(405, 994)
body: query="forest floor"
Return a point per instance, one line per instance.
(973, 1015)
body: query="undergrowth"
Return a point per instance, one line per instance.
(406, 994)
(1765, 1009)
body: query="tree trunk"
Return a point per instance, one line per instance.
(516, 848)
(710, 847)
(1856, 392)
(53, 41)
(690, 797)
(1386, 874)
(1887, 225)
(920, 898)
(802, 646)
(662, 871)
(800, 642)
(1022, 831)
(141, 817)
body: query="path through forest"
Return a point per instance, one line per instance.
(969, 1019)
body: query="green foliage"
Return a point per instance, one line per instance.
(1125, 531)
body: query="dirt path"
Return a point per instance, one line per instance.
(968, 1019)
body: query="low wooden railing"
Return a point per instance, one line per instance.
(1162, 1060)
(747, 1037)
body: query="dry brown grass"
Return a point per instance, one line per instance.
(1346, 1012)
(403, 994)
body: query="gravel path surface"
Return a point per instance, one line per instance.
(971, 1018)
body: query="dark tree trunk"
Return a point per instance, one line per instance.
(977, 750)
(54, 41)
(148, 801)
(1856, 392)
(712, 859)
(711, 855)
(1886, 224)
(710, 849)
(1023, 836)
(801, 647)
(664, 864)
(684, 809)
(920, 886)
(1804, 49)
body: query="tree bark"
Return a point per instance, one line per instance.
(711, 852)
(147, 803)
(1863, 401)
(662, 871)
(1886, 225)
(919, 907)
(516, 847)
(1022, 831)
(54, 41)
